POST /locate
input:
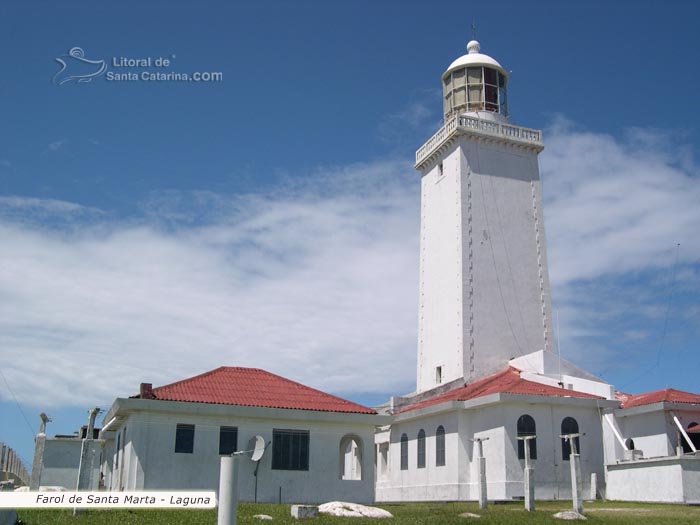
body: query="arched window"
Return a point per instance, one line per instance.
(351, 458)
(526, 427)
(569, 426)
(404, 452)
(440, 446)
(630, 443)
(421, 449)
(693, 430)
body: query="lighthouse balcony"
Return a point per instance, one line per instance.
(467, 125)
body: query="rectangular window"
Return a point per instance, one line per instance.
(184, 439)
(290, 449)
(228, 440)
(119, 444)
(438, 369)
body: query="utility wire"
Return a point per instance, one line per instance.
(668, 305)
(31, 430)
(665, 327)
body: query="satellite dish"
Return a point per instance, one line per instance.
(257, 446)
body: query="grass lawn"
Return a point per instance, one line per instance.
(414, 513)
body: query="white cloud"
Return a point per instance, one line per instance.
(317, 283)
(414, 121)
(55, 146)
(317, 279)
(615, 211)
(615, 207)
(44, 212)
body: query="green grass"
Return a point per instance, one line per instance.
(414, 513)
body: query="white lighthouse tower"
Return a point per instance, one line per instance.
(484, 285)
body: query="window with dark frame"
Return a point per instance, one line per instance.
(404, 452)
(421, 449)
(440, 446)
(290, 449)
(184, 439)
(569, 426)
(228, 440)
(526, 427)
(119, 444)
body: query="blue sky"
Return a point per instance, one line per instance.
(154, 230)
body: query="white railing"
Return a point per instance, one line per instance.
(433, 142)
(479, 126)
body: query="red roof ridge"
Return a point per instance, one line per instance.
(253, 387)
(507, 381)
(668, 395)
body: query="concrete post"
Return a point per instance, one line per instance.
(528, 475)
(529, 478)
(574, 462)
(228, 490)
(87, 463)
(594, 486)
(481, 470)
(39, 445)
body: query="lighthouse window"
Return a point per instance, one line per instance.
(474, 75)
(491, 81)
(503, 102)
(491, 98)
(490, 76)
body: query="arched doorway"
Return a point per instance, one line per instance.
(350, 458)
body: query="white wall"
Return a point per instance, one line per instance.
(60, 463)
(511, 311)
(484, 285)
(431, 483)
(150, 462)
(61, 460)
(666, 480)
(441, 301)
(504, 471)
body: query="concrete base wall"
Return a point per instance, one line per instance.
(664, 480)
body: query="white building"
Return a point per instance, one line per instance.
(172, 437)
(651, 447)
(486, 369)
(484, 286)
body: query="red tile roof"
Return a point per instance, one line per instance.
(668, 395)
(255, 388)
(507, 381)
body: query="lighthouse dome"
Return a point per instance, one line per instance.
(475, 83)
(475, 58)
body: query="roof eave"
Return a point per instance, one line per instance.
(129, 406)
(504, 397)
